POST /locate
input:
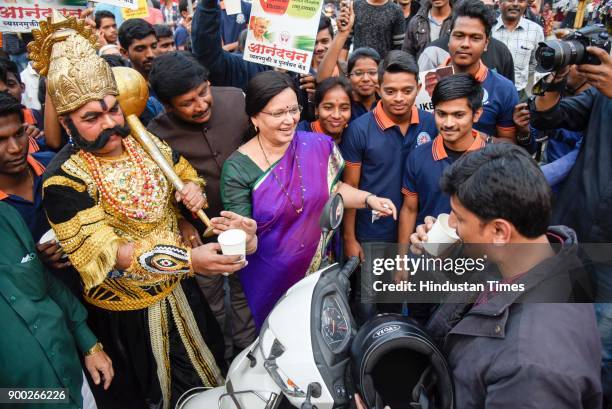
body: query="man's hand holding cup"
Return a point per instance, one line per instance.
(435, 236)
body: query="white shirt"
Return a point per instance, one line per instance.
(522, 43)
(30, 78)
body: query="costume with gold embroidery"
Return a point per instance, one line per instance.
(97, 204)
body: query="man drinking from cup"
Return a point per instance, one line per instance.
(515, 349)
(457, 101)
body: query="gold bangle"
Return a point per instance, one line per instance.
(95, 349)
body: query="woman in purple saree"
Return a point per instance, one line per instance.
(282, 179)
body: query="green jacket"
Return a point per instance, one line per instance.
(43, 324)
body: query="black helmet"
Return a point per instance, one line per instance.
(394, 362)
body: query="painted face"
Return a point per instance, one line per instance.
(467, 41)
(364, 77)
(100, 125)
(194, 106)
(279, 118)
(398, 91)
(334, 111)
(13, 145)
(454, 120)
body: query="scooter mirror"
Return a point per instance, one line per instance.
(332, 213)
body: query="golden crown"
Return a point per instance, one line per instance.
(64, 50)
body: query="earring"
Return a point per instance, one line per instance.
(256, 128)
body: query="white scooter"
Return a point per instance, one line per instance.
(303, 346)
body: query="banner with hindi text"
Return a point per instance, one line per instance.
(140, 11)
(282, 33)
(22, 16)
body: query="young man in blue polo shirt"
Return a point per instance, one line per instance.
(376, 145)
(470, 34)
(457, 104)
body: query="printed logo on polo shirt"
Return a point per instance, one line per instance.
(422, 138)
(240, 18)
(485, 97)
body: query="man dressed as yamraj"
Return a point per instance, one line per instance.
(116, 216)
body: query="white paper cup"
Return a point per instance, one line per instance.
(233, 242)
(49, 237)
(441, 236)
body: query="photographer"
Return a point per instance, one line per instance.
(515, 349)
(583, 203)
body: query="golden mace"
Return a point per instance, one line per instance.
(133, 95)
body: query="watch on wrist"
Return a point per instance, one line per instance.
(94, 349)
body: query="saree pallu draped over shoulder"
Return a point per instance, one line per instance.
(288, 239)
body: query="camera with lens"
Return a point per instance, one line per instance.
(555, 54)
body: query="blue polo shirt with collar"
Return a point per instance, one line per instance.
(375, 144)
(498, 102)
(358, 110)
(422, 172)
(500, 98)
(33, 213)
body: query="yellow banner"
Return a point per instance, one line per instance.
(141, 12)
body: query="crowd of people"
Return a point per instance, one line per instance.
(108, 287)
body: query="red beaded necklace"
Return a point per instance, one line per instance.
(142, 199)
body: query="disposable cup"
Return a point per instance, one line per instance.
(49, 237)
(441, 236)
(233, 243)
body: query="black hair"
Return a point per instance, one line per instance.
(115, 60)
(330, 83)
(134, 29)
(9, 106)
(163, 31)
(103, 14)
(325, 23)
(361, 53)
(175, 73)
(260, 90)
(7, 66)
(501, 181)
(398, 61)
(458, 86)
(474, 9)
(183, 6)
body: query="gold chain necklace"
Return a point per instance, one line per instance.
(301, 208)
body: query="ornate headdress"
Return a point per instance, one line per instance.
(64, 50)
